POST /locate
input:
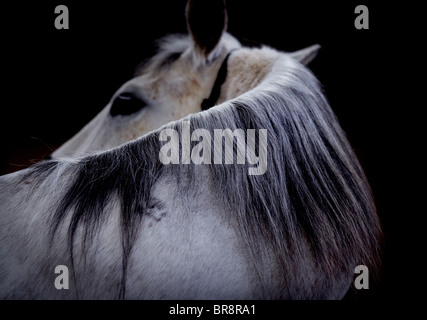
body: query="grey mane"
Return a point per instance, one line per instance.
(313, 195)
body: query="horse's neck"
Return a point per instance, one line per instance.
(188, 249)
(188, 246)
(185, 248)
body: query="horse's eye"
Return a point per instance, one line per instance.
(126, 103)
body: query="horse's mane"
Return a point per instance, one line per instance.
(313, 189)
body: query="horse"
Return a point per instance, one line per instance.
(130, 225)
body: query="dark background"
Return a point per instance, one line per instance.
(55, 81)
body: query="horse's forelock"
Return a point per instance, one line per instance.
(171, 45)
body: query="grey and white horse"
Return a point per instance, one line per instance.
(127, 225)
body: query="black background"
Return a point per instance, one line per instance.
(57, 80)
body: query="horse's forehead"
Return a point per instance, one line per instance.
(181, 81)
(174, 82)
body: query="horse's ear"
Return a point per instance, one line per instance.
(206, 22)
(305, 56)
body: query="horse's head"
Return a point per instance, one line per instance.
(174, 82)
